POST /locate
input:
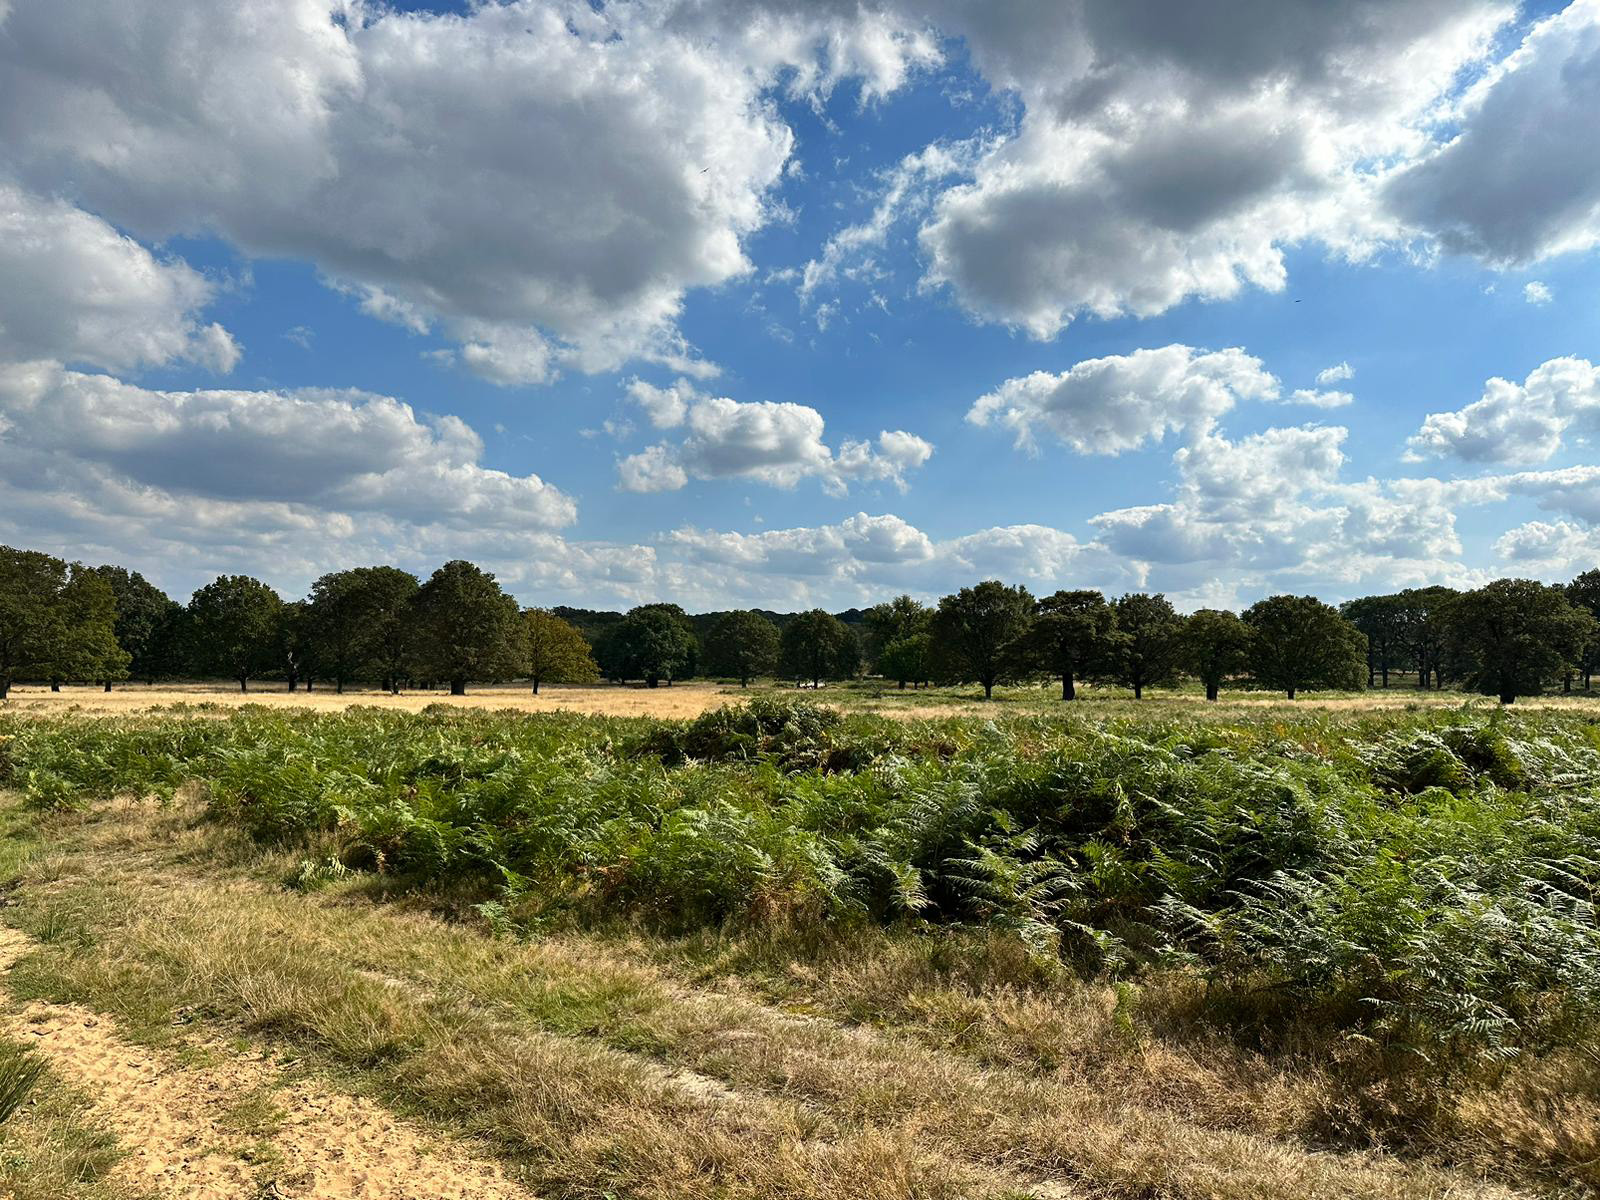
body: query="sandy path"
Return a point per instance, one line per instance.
(174, 1121)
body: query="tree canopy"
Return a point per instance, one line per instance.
(1214, 646)
(233, 628)
(652, 642)
(816, 645)
(1073, 637)
(1147, 633)
(1298, 642)
(555, 652)
(467, 629)
(1516, 635)
(743, 644)
(979, 633)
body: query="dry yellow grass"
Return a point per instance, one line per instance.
(688, 700)
(590, 1068)
(609, 700)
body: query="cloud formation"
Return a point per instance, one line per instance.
(75, 290)
(1122, 402)
(1517, 423)
(774, 444)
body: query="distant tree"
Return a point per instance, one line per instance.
(908, 659)
(555, 652)
(1515, 636)
(1383, 620)
(86, 646)
(652, 642)
(466, 628)
(234, 627)
(1147, 636)
(168, 655)
(1584, 592)
(1073, 637)
(896, 621)
(1424, 630)
(1214, 646)
(297, 643)
(816, 645)
(359, 623)
(31, 614)
(142, 611)
(742, 644)
(1299, 642)
(978, 632)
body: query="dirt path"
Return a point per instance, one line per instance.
(239, 1128)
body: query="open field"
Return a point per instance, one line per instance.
(688, 700)
(1181, 952)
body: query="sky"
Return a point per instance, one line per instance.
(733, 302)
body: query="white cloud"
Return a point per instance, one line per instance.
(666, 407)
(77, 291)
(1315, 399)
(305, 452)
(775, 444)
(1535, 292)
(1167, 153)
(1517, 423)
(1110, 405)
(541, 180)
(1521, 180)
(1545, 547)
(1335, 374)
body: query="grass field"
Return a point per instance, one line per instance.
(1173, 950)
(687, 700)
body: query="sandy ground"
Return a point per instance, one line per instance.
(680, 700)
(180, 1123)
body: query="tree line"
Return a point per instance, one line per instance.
(67, 622)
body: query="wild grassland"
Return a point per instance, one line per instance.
(777, 952)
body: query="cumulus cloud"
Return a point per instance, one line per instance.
(1337, 373)
(665, 406)
(1520, 182)
(1121, 402)
(775, 444)
(1172, 153)
(306, 452)
(1538, 293)
(1517, 423)
(78, 291)
(541, 180)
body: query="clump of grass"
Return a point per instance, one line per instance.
(20, 1072)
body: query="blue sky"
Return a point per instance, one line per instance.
(748, 304)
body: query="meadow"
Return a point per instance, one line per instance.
(788, 948)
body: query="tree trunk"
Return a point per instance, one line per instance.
(1289, 691)
(1507, 697)
(5, 688)
(108, 685)
(244, 683)
(1069, 686)
(535, 685)
(1422, 678)
(1385, 673)
(309, 682)
(1586, 679)
(458, 687)
(294, 681)
(988, 689)
(902, 685)
(394, 687)
(1138, 691)
(1211, 691)
(55, 685)
(654, 681)
(1566, 683)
